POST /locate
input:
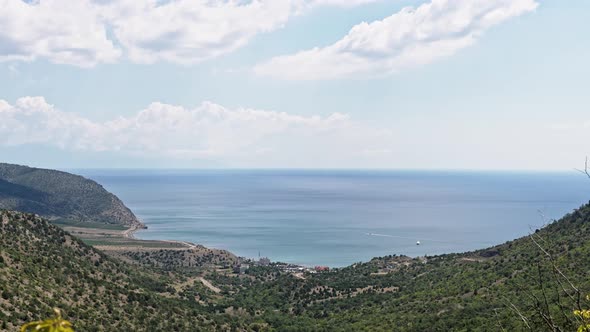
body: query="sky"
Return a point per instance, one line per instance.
(386, 84)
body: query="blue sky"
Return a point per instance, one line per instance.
(495, 84)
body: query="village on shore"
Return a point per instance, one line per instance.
(299, 271)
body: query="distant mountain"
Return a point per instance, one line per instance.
(60, 195)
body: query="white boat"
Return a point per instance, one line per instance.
(417, 243)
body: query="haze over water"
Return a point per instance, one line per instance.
(336, 218)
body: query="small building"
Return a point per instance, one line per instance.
(322, 269)
(240, 268)
(244, 268)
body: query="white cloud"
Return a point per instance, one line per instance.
(409, 38)
(87, 32)
(186, 31)
(244, 137)
(339, 3)
(208, 131)
(68, 32)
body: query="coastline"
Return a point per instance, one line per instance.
(130, 234)
(317, 224)
(108, 237)
(296, 270)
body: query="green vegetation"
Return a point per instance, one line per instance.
(187, 260)
(43, 267)
(583, 316)
(123, 242)
(534, 283)
(60, 195)
(64, 223)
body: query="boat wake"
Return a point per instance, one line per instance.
(406, 238)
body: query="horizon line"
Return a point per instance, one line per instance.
(383, 169)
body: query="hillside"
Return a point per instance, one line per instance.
(530, 284)
(41, 267)
(60, 195)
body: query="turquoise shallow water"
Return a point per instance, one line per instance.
(336, 218)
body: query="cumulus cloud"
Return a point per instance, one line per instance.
(409, 38)
(162, 130)
(67, 32)
(185, 31)
(87, 32)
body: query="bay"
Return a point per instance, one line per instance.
(339, 217)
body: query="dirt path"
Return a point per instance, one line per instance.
(189, 245)
(209, 285)
(128, 233)
(184, 243)
(299, 276)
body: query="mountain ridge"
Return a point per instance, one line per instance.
(61, 195)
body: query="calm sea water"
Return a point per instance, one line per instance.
(336, 218)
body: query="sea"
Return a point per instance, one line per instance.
(338, 217)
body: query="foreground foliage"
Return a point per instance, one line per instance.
(56, 324)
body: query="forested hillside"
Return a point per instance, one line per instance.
(42, 267)
(60, 195)
(530, 284)
(534, 283)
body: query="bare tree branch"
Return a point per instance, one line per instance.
(498, 320)
(585, 170)
(577, 300)
(522, 317)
